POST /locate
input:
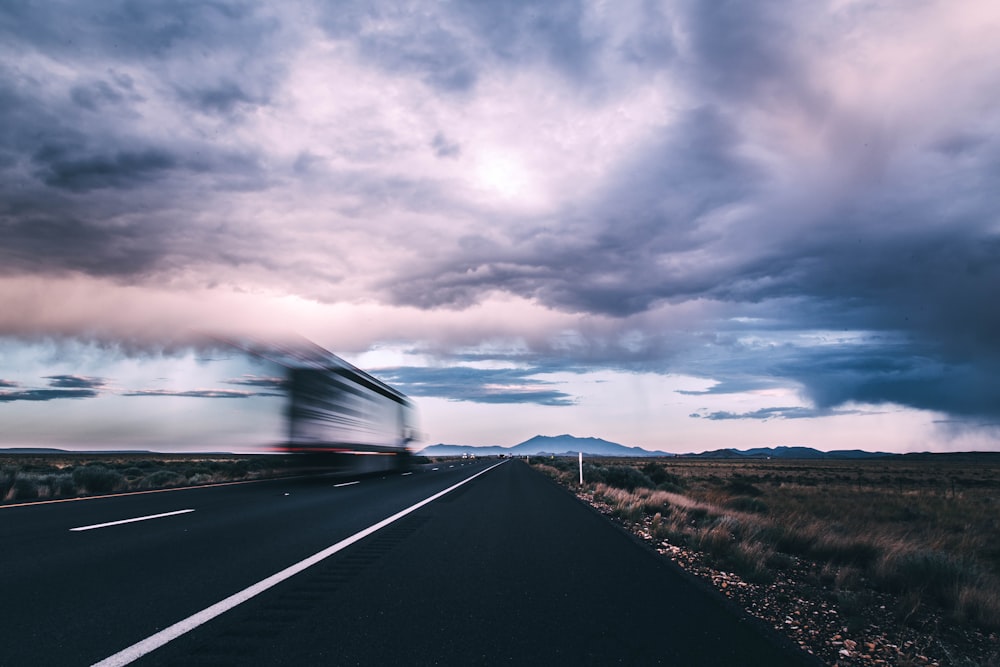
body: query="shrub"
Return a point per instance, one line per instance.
(752, 560)
(631, 510)
(162, 478)
(660, 476)
(698, 516)
(7, 476)
(743, 488)
(25, 488)
(671, 487)
(96, 479)
(779, 561)
(60, 485)
(626, 477)
(937, 575)
(655, 504)
(749, 505)
(840, 550)
(238, 469)
(981, 606)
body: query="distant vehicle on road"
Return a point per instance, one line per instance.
(340, 415)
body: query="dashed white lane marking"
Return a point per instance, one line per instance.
(346, 484)
(407, 473)
(153, 642)
(138, 518)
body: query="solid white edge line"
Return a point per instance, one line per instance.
(153, 642)
(138, 518)
(345, 484)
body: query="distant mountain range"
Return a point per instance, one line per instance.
(563, 445)
(543, 444)
(787, 453)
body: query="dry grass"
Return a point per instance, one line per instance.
(927, 531)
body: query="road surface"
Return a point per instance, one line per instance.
(507, 568)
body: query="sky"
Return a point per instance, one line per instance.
(676, 225)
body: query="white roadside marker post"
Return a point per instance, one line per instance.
(581, 468)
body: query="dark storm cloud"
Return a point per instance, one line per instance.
(741, 49)
(75, 381)
(71, 145)
(45, 394)
(462, 383)
(94, 96)
(927, 290)
(224, 97)
(9, 384)
(121, 169)
(901, 375)
(47, 242)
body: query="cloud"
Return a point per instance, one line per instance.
(443, 147)
(198, 393)
(688, 188)
(75, 382)
(122, 169)
(629, 255)
(259, 381)
(63, 386)
(463, 383)
(795, 412)
(45, 394)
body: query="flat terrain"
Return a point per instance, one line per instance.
(893, 560)
(507, 568)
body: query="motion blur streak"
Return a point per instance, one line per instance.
(340, 413)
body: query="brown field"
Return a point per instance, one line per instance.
(911, 542)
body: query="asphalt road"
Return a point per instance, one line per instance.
(506, 569)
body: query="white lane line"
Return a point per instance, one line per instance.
(346, 484)
(407, 473)
(435, 468)
(153, 642)
(138, 518)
